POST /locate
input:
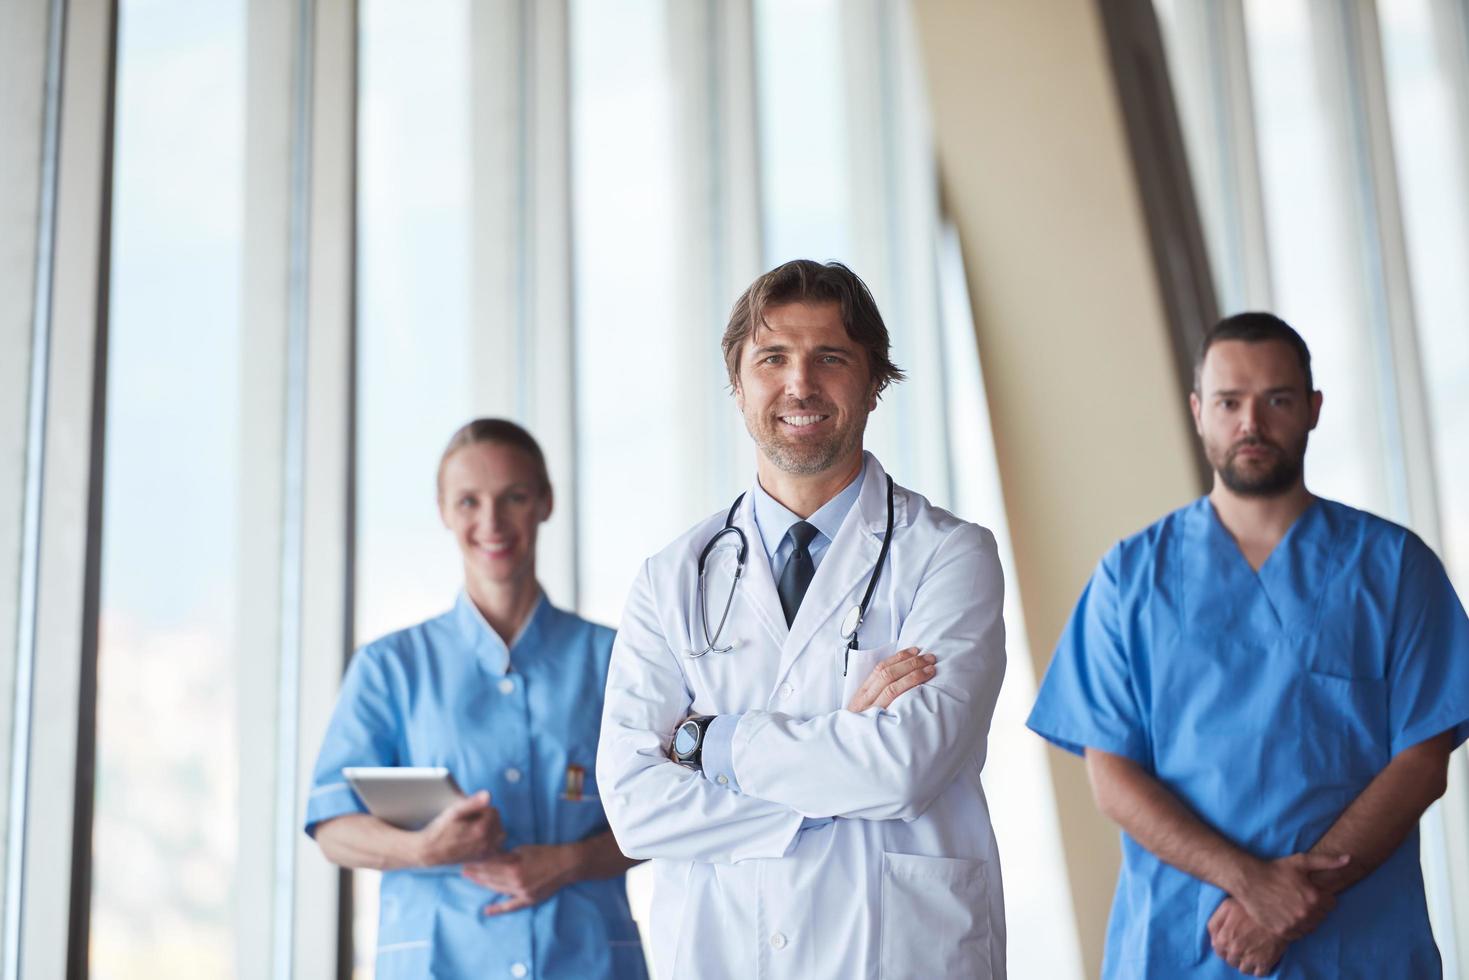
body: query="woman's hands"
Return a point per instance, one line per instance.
(527, 875)
(470, 830)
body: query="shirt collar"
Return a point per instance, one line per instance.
(773, 519)
(486, 643)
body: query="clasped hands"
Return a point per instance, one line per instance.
(1276, 903)
(470, 833)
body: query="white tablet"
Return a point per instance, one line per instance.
(404, 796)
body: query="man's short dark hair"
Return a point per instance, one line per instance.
(1253, 328)
(805, 281)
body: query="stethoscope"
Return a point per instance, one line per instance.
(851, 622)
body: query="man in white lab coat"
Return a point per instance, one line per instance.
(810, 797)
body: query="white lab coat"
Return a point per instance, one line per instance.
(906, 881)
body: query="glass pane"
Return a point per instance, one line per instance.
(414, 237)
(1430, 140)
(1431, 137)
(805, 174)
(1199, 76)
(625, 215)
(165, 864)
(414, 324)
(1310, 173)
(627, 228)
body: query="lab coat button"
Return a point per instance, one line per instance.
(512, 775)
(778, 940)
(507, 686)
(518, 971)
(786, 690)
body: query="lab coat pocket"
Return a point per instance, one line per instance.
(859, 668)
(935, 917)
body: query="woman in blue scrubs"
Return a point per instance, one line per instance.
(522, 878)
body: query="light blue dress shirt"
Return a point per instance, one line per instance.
(773, 520)
(1267, 702)
(448, 692)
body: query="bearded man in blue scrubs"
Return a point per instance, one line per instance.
(1266, 686)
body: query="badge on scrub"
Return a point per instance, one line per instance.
(576, 778)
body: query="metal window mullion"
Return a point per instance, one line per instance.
(35, 460)
(31, 513)
(1450, 20)
(742, 212)
(293, 496)
(523, 332)
(547, 331)
(322, 896)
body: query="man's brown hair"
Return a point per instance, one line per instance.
(805, 281)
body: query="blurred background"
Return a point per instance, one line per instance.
(259, 258)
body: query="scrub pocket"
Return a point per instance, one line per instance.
(859, 666)
(935, 917)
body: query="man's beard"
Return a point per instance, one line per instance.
(1268, 481)
(805, 458)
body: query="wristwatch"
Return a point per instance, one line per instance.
(688, 741)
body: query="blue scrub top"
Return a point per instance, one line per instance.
(448, 693)
(1266, 702)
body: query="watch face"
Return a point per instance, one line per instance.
(686, 738)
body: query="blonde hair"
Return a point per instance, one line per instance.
(500, 432)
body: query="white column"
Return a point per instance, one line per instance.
(271, 29)
(496, 64)
(546, 285)
(326, 553)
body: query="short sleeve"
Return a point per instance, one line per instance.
(1428, 653)
(1087, 698)
(363, 731)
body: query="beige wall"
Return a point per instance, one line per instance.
(1089, 420)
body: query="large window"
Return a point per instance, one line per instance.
(1426, 49)
(542, 211)
(165, 845)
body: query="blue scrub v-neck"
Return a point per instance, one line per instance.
(1266, 701)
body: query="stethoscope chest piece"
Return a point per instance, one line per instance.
(851, 621)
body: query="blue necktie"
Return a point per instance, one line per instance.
(799, 570)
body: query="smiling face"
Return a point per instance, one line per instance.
(805, 389)
(494, 500)
(1254, 414)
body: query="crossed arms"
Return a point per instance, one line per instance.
(888, 764)
(1271, 903)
